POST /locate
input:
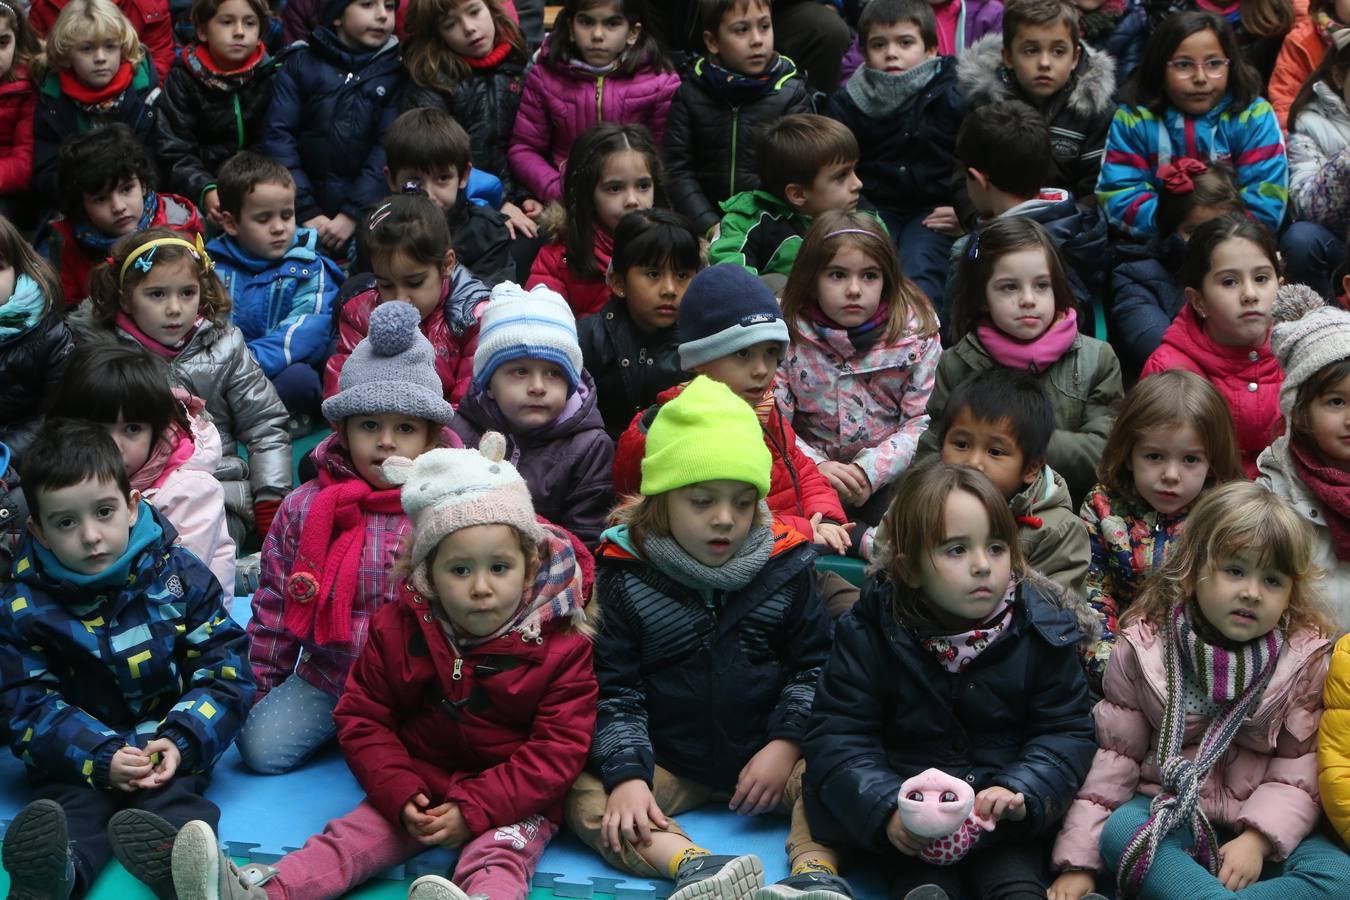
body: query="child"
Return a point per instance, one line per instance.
(1194, 95)
(955, 657)
(149, 20)
(1302, 51)
(429, 149)
(806, 167)
(107, 192)
(335, 540)
(158, 291)
(726, 96)
(407, 242)
(94, 73)
(702, 590)
(613, 170)
(1173, 440)
(1015, 310)
(1117, 28)
(629, 346)
(169, 447)
(124, 676)
(35, 343)
(529, 385)
(17, 101)
(1208, 729)
(332, 103)
(597, 65)
(864, 352)
(283, 288)
(215, 98)
(1232, 274)
(506, 646)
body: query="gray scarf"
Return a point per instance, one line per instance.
(880, 93)
(670, 559)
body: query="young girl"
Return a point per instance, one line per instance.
(1194, 96)
(701, 590)
(613, 170)
(157, 290)
(598, 65)
(1173, 439)
(857, 376)
(656, 254)
(957, 658)
(19, 49)
(1208, 732)
(150, 21)
(473, 741)
(407, 242)
(170, 448)
(1303, 50)
(1014, 308)
(1232, 274)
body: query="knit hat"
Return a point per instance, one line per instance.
(392, 370)
(445, 490)
(520, 324)
(331, 11)
(1308, 336)
(707, 433)
(726, 309)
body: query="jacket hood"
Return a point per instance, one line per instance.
(324, 41)
(205, 439)
(1327, 104)
(304, 249)
(1048, 491)
(486, 415)
(984, 79)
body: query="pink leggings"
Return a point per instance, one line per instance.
(354, 848)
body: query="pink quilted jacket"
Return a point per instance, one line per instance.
(1267, 779)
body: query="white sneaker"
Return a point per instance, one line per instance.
(202, 871)
(434, 887)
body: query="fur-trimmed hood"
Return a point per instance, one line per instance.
(984, 79)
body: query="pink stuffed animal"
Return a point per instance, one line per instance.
(939, 806)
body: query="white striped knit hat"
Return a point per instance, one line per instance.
(520, 324)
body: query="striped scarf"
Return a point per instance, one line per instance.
(1235, 679)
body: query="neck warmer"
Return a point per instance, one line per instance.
(99, 244)
(879, 93)
(1030, 356)
(128, 324)
(23, 310)
(1331, 487)
(198, 61)
(737, 87)
(494, 57)
(954, 652)
(581, 65)
(93, 99)
(145, 533)
(1233, 679)
(174, 447)
(863, 337)
(670, 559)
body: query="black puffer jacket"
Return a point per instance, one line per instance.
(713, 127)
(630, 368)
(31, 365)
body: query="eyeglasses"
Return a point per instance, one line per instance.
(1213, 68)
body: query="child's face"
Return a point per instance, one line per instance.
(1237, 296)
(480, 574)
(748, 372)
(266, 224)
(134, 439)
(744, 38)
(366, 24)
(7, 278)
(1169, 465)
(1021, 294)
(95, 62)
(965, 576)
(441, 185)
(848, 290)
(371, 439)
(7, 45)
(710, 520)
(530, 392)
(1329, 418)
(164, 304)
(400, 277)
(601, 34)
(468, 30)
(86, 525)
(625, 185)
(1042, 58)
(991, 448)
(835, 187)
(1242, 597)
(896, 47)
(652, 294)
(1191, 86)
(232, 34)
(117, 210)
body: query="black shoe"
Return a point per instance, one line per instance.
(927, 892)
(814, 885)
(36, 853)
(718, 878)
(143, 844)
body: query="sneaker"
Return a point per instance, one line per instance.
(300, 425)
(143, 844)
(36, 853)
(434, 887)
(718, 878)
(247, 573)
(815, 885)
(202, 871)
(927, 892)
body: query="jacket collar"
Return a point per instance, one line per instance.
(1187, 334)
(303, 249)
(984, 79)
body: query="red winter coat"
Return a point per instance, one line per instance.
(584, 295)
(150, 19)
(17, 101)
(797, 490)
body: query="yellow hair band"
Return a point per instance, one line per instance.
(143, 257)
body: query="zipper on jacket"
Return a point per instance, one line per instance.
(735, 130)
(458, 673)
(599, 99)
(238, 121)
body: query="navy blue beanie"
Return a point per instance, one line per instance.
(726, 309)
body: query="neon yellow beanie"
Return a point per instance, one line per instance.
(707, 433)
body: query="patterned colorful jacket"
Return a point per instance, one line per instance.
(1141, 140)
(85, 674)
(1319, 160)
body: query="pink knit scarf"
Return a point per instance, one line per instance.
(1030, 356)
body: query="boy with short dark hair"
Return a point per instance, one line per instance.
(124, 678)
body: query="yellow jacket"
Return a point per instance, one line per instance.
(1333, 741)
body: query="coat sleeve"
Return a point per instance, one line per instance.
(818, 495)
(622, 749)
(195, 503)
(1260, 163)
(531, 150)
(260, 424)
(1125, 188)
(1075, 454)
(1063, 554)
(176, 129)
(803, 649)
(547, 269)
(889, 459)
(686, 194)
(348, 336)
(733, 243)
(156, 32)
(303, 335)
(1317, 183)
(1333, 742)
(273, 650)
(950, 370)
(16, 168)
(1287, 77)
(592, 494)
(281, 140)
(1101, 590)
(1137, 315)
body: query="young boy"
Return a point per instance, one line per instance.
(124, 678)
(725, 97)
(332, 103)
(904, 107)
(282, 287)
(107, 191)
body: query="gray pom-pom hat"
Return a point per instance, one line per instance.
(392, 370)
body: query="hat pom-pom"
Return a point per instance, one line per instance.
(393, 326)
(1294, 301)
(493, 446)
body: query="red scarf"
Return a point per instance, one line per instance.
(1331, 487)
(75, 89)
(203, 55)
(493, 58)
(322, 583)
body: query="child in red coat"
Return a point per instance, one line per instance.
(17, 101)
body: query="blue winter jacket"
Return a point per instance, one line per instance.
(283, 306)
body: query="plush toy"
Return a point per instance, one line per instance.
(941, 807)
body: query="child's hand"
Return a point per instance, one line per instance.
(629, 816)
(831, 535)
(849, 480)
(339, 231)
(164, 757)
(414, 819)
(1071, 885)
(999, 803)
(446, 827)
(517, 222)
(129, 765)
(532, 208)
(211, 206)
(902, 840)
(760, 785)
(943, 220)
(1242, 859)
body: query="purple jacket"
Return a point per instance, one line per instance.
(560, 102)
(981, 17)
